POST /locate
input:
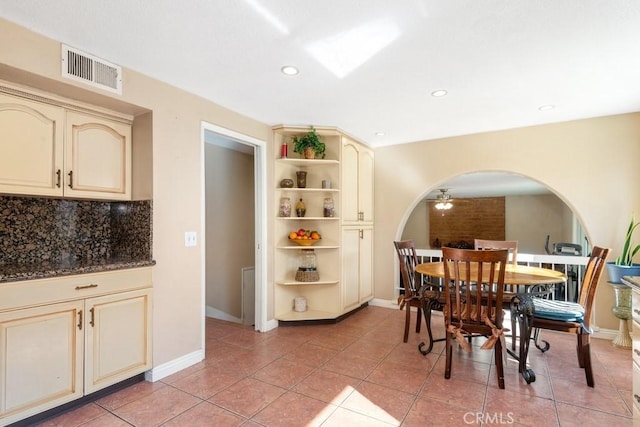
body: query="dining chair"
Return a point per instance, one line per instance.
(406, 250)
(512, 247)
(476, 309)
(575, 318)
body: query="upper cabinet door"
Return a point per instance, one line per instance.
(97, 157)
(365, 181)
(31, 147)
(349, 161)
(357, 183)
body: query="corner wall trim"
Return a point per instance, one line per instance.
(159, 372)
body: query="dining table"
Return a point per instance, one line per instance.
(525, 282)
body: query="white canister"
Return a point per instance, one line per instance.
(299, 304)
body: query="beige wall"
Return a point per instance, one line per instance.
(30, 59)
(602, 188)
(531, 218)
(230, 227)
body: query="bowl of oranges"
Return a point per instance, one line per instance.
(304, 237)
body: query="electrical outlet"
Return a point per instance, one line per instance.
(190, 238)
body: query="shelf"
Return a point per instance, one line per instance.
(311, 190)
(316, 218)
(307, 315)
(308, 162)
(296, 283)
(308, 247)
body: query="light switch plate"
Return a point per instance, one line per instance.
(190, 238)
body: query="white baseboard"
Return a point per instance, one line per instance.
(384, 303)
(271, 324)
(176, 365)
(219, 314)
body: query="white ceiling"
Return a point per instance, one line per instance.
(369, 66)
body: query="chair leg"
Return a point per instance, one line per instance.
(586, 358)
(499, 363)
(407, 321)
(418, 320)
(580, 350)
(513, 333)
(448, 355)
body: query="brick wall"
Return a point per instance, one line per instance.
(468, 219)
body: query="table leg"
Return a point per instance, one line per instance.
(522, 308)
(428, 305)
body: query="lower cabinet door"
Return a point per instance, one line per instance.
(118, 338)
(40, 359)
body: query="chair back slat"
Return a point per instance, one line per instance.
(408, 260)
(475, 280)
(511, 245)
(592, 274)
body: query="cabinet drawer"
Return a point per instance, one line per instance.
(635, 336)
(636, 385)
(14, 295)
(635, 304)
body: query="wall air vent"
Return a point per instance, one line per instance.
(81, 66)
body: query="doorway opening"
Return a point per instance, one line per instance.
(234, 227)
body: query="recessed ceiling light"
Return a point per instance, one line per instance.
(379, 133)
(438, 93)
(289, 70)
(546, 107)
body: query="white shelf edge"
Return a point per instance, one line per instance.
(316, 218)
(310, 190)
(303, 162)
(296, 283)
(309, 247)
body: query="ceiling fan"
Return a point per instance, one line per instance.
(443, 201)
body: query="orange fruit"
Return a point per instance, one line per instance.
(293, 235)
(315, 236)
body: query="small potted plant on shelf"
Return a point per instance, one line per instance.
(309, 145)
(624, 265)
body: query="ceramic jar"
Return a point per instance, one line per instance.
(285, 207)
(328, 208)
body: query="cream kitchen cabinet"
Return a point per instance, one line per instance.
(357, 258)
(634, 283)
(50, 150)
(97, 160)
(31, 147)
(357, 183)
(63, 338)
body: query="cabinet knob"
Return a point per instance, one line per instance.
(80, 320)
(58, 179)
(70, 179)
(636, 351)
(635, 396)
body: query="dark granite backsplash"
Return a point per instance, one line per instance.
(42, 230)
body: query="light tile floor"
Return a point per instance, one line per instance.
(360, 373)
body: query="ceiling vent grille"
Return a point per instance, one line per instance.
(81, 66)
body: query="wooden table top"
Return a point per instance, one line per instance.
(514, 274)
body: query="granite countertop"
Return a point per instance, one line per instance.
(43, 270)
(633, 281)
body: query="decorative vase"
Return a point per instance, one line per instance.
(301, 209)
(301, 178)
(286, 183)
(622, 310)
(309, 153)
